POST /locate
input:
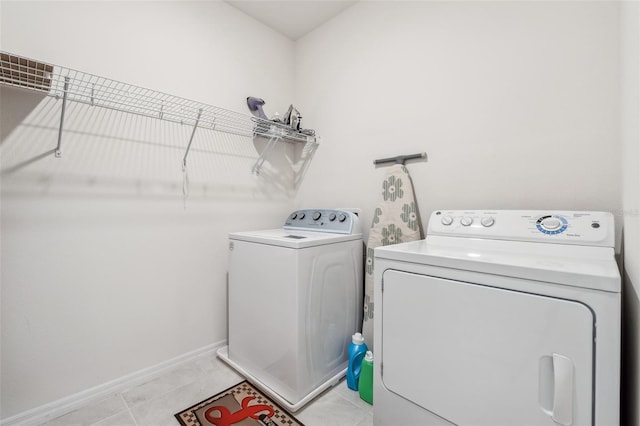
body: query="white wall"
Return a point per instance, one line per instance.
(515, 103)
(630, 25)
(104, 270)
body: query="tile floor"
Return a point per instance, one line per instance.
(154, 403)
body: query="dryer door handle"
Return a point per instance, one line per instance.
(562, 390)
(556, 388)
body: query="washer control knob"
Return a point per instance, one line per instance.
(294, 215)
(551, 223)
(487, 221)
(342, 217)
(466, 221)
(332, 217)
(316, 215)
(446, 220)
(302, 215)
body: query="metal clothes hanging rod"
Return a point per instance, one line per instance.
(400, 159)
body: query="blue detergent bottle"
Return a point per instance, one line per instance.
(357, 350)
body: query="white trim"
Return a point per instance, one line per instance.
(70, 403)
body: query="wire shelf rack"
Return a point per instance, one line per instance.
(76, 86)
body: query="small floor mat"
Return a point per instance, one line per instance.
(242, 405)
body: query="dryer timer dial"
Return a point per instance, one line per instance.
(552, 225)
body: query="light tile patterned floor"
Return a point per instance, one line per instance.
(154, 403)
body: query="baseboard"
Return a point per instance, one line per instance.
(70, 403)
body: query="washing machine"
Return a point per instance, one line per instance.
(295, 299)
(499, 318)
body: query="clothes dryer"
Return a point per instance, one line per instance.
(499, 318)
(295, 299)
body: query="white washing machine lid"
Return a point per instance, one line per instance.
(577, 266)
(295, 239)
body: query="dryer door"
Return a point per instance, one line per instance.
(479, 355)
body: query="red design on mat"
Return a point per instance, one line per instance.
(227, 418)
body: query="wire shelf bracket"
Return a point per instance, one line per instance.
(193, 133)
(263, 155)
(58, 151)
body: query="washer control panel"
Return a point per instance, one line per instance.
(324, 220)
(563, 227)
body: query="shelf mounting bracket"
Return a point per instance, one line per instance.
(58, 152)
(193, 132)
(263, 155)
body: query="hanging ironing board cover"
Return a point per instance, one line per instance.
(395, 220)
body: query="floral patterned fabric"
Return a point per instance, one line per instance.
(395, 220)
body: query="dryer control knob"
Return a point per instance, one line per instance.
(466, 221)
(446, 220)
(316, 215)
(551, 223)
(332, 217)
(302, 215)
(487, 221)
(342, 217)
(294, 215)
